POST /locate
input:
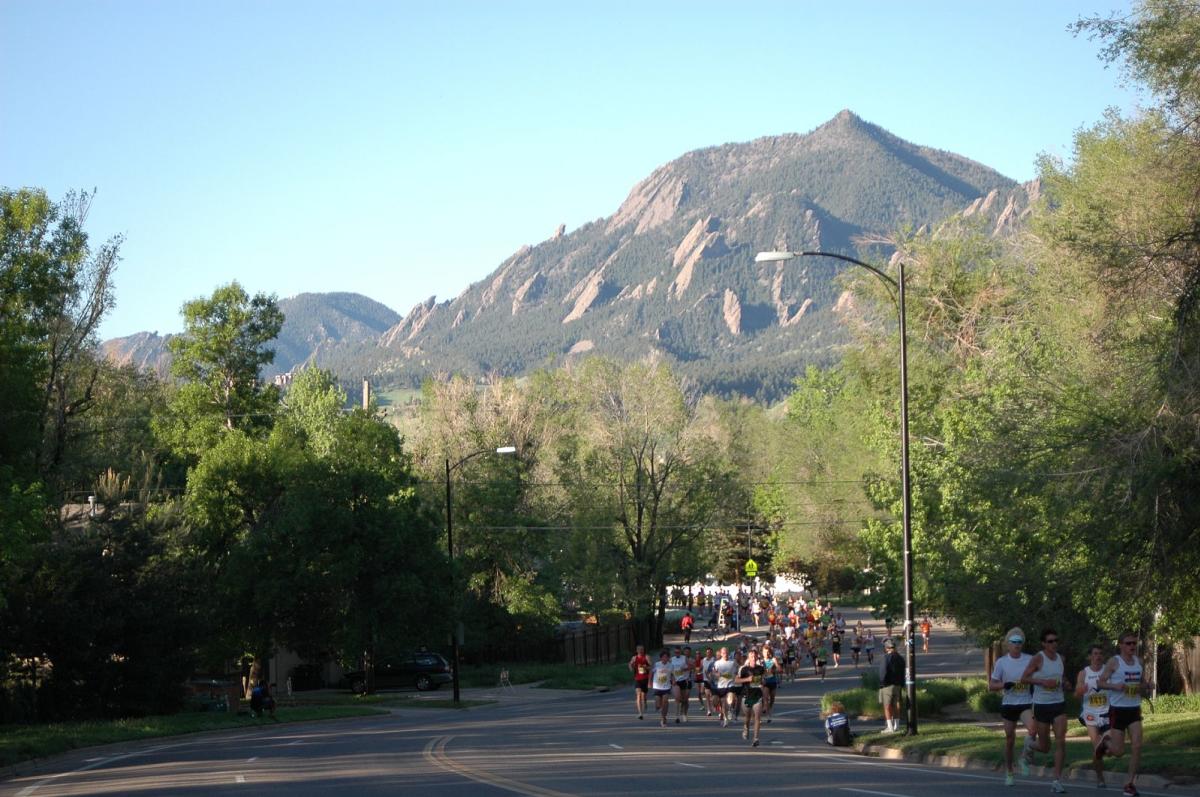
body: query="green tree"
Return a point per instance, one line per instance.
(642, 483)
(225, 343)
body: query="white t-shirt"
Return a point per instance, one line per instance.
(1093, 706)
(1050, 668)
(1130, 695)
(661, 678)
(1010, 670)
(681, 668)
(725, 671)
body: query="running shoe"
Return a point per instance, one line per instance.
(639, 716)
(684, 718)
(1057, 787)
(1008, 779)
(1130, 790)
(745, 733)
(724, 722)
(662, 723)
(677, 720)
(1101, 784)
(755, 743)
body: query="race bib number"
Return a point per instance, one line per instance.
(642, 669)
(1020, 689)
(756, 680)
(1133, 690)
(660, 680)
(1097, 700)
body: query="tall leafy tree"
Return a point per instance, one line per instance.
(642, 483)
(226, 341)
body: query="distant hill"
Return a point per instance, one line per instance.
(325, 328)
(671, 274)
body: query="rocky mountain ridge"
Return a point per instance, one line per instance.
(671, 273)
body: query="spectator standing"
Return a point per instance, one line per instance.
(891, 685)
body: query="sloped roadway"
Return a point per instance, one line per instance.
(533, 742)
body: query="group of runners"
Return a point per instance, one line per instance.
(1110, 689)
(740, 680)
(727, 686)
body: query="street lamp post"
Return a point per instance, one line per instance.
(450, 551)
(910, 670)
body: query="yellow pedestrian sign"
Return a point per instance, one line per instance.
(751, 568)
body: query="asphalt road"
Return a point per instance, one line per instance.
(533, 742)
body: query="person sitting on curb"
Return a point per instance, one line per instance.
(837, 726)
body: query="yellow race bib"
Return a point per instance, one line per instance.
(1097, 700)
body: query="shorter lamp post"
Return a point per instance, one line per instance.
(910, 670)
(450, 551)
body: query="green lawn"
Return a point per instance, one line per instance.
(23, 742)
(1172, 745)
(551, 676)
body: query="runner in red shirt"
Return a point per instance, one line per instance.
(639, 665)
(685, 625)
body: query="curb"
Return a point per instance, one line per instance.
(965, 762)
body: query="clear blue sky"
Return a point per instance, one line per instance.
(402, 150)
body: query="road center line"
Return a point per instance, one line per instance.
(685, 764)
(251, 760)
(616, 746)
(882, 793)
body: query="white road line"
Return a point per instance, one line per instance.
(616, 747)
(293, 744)
(251, 760)
(883, 793)
(28, 790)
(240, 779)
(685, 764)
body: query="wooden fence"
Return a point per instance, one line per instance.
(597, 644)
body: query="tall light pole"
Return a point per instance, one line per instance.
(910, 670)
(450, 551)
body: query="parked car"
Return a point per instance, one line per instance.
(421, 670)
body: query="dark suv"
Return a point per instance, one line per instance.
(421, 670)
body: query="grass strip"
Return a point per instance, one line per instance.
(24, 742)
(552, 675)
(1172, 745)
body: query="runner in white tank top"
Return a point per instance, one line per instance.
(1093, 705)
(1123, 676)
(1045, 672)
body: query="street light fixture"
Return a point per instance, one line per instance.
(910, 670)
(450, 551)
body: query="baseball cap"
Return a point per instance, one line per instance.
(888, 643)
(1016, 639)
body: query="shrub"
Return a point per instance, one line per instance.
(1176, 704)
(947, 691)
(864, 702)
